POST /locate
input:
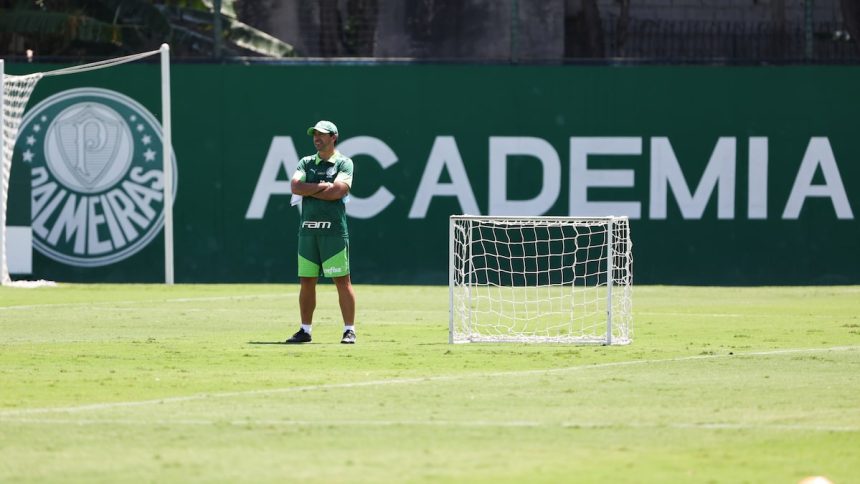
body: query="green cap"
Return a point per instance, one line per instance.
(323, 127)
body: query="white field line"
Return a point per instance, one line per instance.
(434, 423)
(149, 301)
(724, 315)
(399, 381)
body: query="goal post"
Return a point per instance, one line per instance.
(15, 91)
(540, 280)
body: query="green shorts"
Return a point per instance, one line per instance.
(321, 255)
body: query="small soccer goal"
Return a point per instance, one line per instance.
(540, 280)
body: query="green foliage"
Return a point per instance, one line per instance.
(115, 27)
(68, 25)
(186, 383)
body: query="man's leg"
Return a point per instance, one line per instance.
(307, 304)
(346, 298)
(309, 268)
(335, 256)
(307, 299)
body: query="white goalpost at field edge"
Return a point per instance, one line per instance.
(10, 120)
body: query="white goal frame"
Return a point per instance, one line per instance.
(10, 119)
(571, 282)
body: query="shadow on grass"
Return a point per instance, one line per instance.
(284, 343)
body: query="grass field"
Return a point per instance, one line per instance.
(127, 383)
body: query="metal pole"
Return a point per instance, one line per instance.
(515, 19)
(609, 279)
(167, 152)
(451, 262)
(216, 31)
(4, 268)
(809, 51)
(467, 266)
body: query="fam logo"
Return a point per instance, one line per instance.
(95, 160)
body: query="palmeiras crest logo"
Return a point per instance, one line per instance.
(96, 162)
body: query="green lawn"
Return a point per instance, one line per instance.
(148, 383)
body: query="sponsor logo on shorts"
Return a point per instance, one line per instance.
(316, 225)
(95, 159)
(329, 270)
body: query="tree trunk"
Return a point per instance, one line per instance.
(622, 27)
(851, 17)
(361, 26)
(584, 32)
(330, 29)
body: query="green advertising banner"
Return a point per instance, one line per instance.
(730, 175)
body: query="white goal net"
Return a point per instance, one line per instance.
(540, 280)
(15, 92)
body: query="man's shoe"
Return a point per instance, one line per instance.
(300, 337)
(348, 337)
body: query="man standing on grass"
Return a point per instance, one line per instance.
(323, 182)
